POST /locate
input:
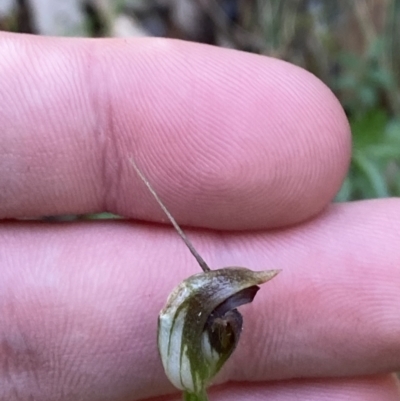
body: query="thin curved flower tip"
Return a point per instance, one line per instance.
(199, 327)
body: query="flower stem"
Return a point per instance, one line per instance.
(195, 397)
(186, 240)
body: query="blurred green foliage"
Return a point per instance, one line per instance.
(374, 170)
(368, 91)
(362, 80)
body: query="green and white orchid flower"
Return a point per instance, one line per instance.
(200, 326)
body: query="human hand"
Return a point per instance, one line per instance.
(253, 149)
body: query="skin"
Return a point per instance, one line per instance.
(247, 152)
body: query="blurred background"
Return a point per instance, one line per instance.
(353, 46)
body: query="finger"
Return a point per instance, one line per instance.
(334, 309)
(371, 388)
(229, 140)
(81, 301)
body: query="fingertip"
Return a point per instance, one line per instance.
(230, 140)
